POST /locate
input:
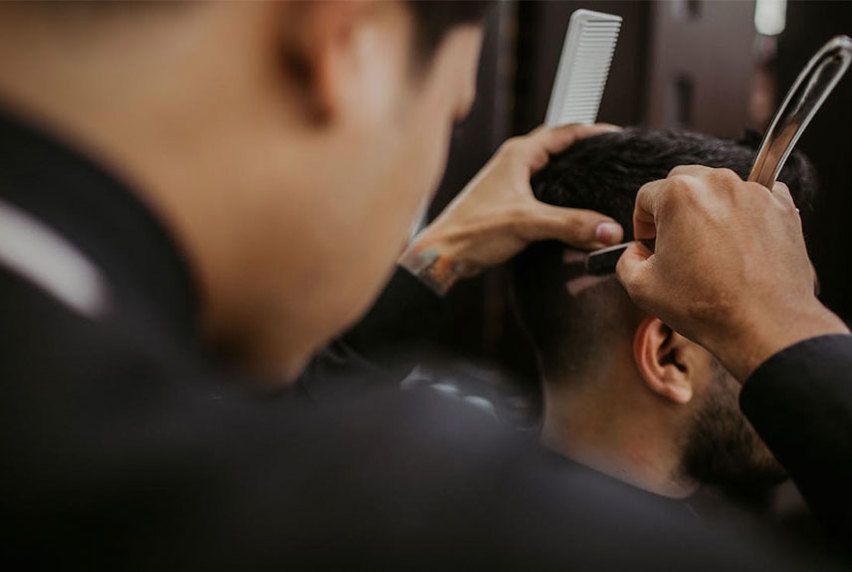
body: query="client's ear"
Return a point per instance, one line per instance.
(666, 360)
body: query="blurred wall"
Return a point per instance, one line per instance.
(828, 143)
(701, 66)
(541, 34)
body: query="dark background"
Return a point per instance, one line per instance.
(736, 79)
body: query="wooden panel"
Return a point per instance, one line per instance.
(701, 66)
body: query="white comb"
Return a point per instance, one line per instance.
(583, 68)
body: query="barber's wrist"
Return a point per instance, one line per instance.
(759, 338)
(436, 262)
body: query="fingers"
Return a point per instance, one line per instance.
(683, 182)
(533, 151)
(781, 191)
(647, 206)
(560, 138)
(690, 171)
(580, 228)
(632, 266)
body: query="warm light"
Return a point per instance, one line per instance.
(770, 16)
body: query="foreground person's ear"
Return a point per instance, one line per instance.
(313, 37)
(336, 54)
(666, 360)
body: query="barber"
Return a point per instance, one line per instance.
(730, 271)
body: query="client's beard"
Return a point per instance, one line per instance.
(722, 448)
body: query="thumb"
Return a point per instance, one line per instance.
(580, 228)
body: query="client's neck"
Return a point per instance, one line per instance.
(604, 425)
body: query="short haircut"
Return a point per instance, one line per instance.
(604, 173)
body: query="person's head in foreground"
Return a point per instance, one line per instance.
(623, 393)
(225, 115)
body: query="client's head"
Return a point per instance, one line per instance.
(623, 392)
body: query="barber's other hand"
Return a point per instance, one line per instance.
(496, 215)
(729, 270)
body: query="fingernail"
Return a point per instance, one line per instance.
(608, 232)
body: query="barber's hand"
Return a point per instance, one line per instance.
(729, 270)
(496, 215)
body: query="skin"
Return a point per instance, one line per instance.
(632, 412)
(288, 147)
(744, 284)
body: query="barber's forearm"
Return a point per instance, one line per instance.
(743, 349)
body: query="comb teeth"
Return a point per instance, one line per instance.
(583, 68)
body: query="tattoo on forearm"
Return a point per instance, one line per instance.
(438, 272)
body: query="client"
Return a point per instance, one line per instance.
(623, 393)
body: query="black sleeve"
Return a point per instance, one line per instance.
(800, 402)
(385, 344)
(407, 312)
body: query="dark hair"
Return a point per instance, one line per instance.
(604, 173)
(434, 18)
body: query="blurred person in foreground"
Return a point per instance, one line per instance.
(624, 393)
(195, 197)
